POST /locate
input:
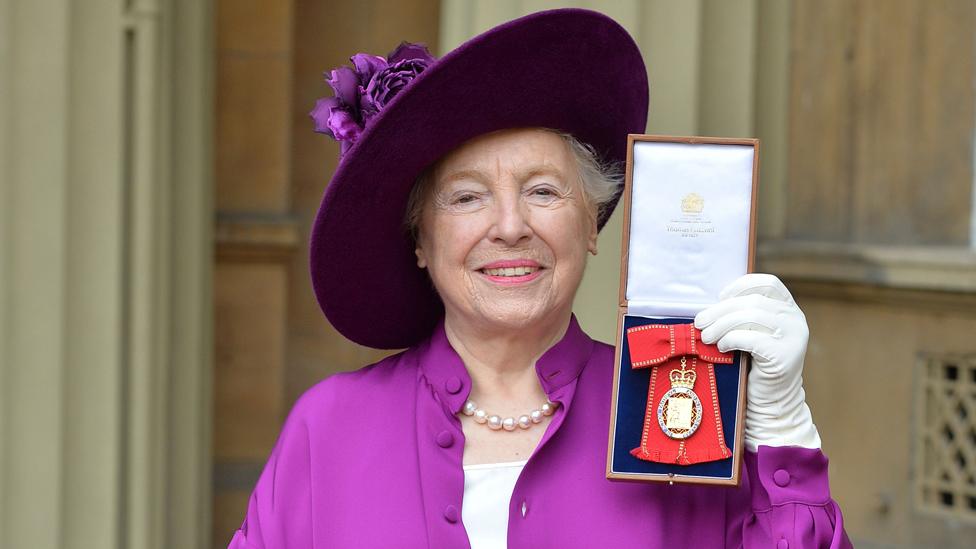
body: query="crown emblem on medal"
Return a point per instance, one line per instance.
(683, 378)
(692, 203)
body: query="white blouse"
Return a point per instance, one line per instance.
(488, 491)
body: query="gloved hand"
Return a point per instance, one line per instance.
(757, 314)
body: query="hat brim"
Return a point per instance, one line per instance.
(572, 70)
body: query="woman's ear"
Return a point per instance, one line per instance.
(594, 233)
(421, 257)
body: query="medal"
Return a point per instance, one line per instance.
(680, 411)
(681, 425)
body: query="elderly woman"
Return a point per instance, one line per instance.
(469, 193)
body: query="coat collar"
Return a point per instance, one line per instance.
(556, 368)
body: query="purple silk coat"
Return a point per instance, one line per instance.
(373, 458)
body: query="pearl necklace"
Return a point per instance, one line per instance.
(495, 422)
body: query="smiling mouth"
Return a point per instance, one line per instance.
(511, 272)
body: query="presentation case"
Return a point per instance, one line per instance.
(689, 230)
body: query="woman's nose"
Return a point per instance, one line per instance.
(511, 222)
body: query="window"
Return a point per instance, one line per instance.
(945, 455)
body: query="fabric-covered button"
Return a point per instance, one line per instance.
(453, 385)
(782, 544)
(525, 508)
(451, 514)
(445, 439)
(782, 478)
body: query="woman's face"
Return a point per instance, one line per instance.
(505, 230)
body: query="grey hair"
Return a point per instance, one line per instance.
(601, 182)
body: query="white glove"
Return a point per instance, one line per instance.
(757, 314)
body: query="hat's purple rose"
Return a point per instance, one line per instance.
(387, 83)
(367, 65)
(365, 89)
(406, 51)
(335, 120)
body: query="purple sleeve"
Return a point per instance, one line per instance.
(784, 502)
(279, 511)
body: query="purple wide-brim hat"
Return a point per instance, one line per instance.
(572, 70)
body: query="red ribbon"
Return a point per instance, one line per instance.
(661, 348)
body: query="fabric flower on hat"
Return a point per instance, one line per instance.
(363, 90)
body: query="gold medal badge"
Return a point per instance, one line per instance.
(680, 411)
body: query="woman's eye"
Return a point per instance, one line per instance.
(545, 192)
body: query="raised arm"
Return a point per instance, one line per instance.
(785, 497)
